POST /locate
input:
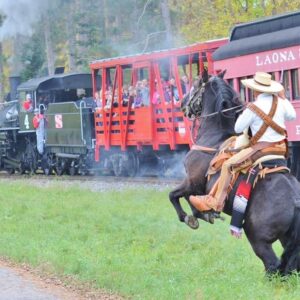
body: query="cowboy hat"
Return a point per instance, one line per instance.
(262, 82)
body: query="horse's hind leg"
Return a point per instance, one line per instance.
(266, 253)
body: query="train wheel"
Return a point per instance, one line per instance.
(47, 164)
(48, 170)
(60, 167)
(10, 171)
(119, 166)
(133, 165)
(73, 171)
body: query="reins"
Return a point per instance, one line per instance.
(221, 111)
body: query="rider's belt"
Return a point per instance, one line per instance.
(267, 119)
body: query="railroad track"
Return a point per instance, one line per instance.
(109, 179)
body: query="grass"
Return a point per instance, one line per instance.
(131, 243)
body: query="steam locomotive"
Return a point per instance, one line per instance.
(69, 125)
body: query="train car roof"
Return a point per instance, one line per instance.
(266, 34)
(58, 82)
(133, 58)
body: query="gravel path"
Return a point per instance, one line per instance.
(15, 287)
(20, 282)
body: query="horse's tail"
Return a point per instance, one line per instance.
(290, 257)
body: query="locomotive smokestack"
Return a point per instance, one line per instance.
(14, 82)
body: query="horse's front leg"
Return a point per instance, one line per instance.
(183, 190)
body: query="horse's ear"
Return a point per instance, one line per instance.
(205, 75)
(221, 74)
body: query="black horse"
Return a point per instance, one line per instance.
(273, 212)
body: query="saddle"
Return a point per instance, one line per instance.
(266, 158)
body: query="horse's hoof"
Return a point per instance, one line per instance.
(191, 221)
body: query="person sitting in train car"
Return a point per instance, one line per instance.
(27, 104)
(270, 103)
(145, 93)
(174, 91)
(156, 96)
(97, 100)
(125, 95)
(116, 99)
(132, 95)
(138, 102)
(108, 100)
(167, 92)
(185, 85)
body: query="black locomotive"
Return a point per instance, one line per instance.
(64, 102)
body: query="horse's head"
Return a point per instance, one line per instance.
(191, 104)
(210, 95)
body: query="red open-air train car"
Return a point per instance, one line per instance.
(128, 136)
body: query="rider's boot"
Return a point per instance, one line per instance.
(204, 203)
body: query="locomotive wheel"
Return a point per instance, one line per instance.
(60, 167)
(73, 171)
(47, 165)
(48, 170)
(10, 171)
(22, 169)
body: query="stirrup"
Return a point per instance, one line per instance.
(204, 203)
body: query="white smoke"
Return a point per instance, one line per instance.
(20, 15)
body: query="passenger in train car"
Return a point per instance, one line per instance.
(137, 95)
(125, 95)
(156, 96)
(174, 91)
(116, 98)
(108, 100)
(185, 84)
(97, 100)
(145, 93)
(132, 95)
(28, 104)
(167, 92)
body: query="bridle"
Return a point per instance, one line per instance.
(198, 102)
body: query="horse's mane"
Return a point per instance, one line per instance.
(224, 93)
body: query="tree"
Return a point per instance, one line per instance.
(1, 62)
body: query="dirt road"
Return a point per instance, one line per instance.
(23, 283)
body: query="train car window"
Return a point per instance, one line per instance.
(140, 88)
(195, 66)
(242, 90)
(164, 69)
(230, 82)
(295, 84)
(286, 84)
(26, 99)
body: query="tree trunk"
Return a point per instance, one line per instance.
(49, 46)
(106, 18)
(71, 42)
(167, 20)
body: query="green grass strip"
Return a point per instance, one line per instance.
(130, 242)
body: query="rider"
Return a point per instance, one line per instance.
(268, 134)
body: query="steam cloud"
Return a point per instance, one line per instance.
(20, 16)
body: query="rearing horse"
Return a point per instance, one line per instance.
(273, 211)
